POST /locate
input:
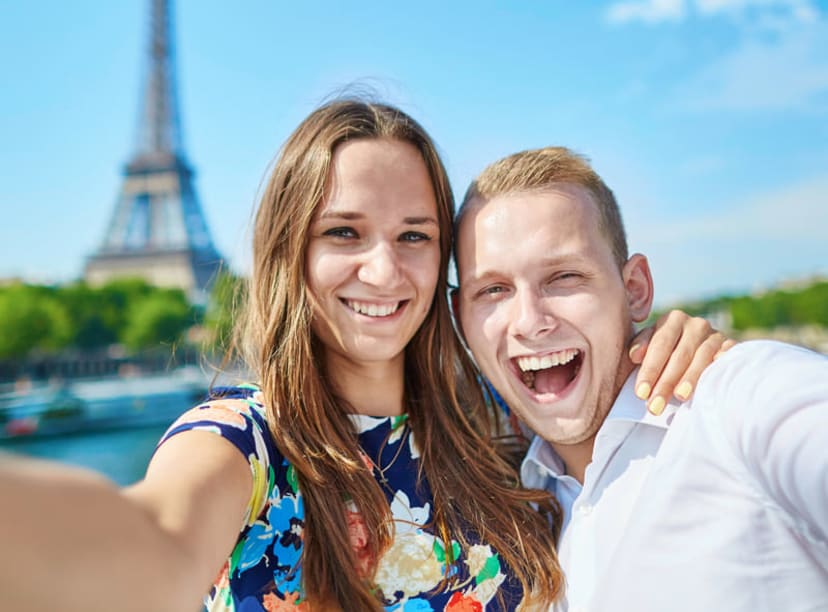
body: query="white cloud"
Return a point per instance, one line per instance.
(648, 11)
(790, 74)
(780, 62)
(797, 212)
(799, 10)
(763, 13)
(763, 241)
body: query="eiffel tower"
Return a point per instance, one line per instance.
(158, 231)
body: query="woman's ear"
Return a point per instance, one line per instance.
(638, 283)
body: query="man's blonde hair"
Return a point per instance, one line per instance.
(541, 169)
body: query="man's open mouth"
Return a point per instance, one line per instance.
(550, 373)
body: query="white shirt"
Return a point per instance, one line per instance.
(721, 504)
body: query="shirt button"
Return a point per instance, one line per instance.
(584, 510)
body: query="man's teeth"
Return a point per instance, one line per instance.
(531, 364)
(373, 310)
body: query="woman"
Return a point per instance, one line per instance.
(368, 477)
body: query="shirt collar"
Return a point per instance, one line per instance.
(628, 408)
(542, 462)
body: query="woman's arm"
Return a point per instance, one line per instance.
(71, 540)
(673, 353)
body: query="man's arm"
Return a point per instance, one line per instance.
(775, 418)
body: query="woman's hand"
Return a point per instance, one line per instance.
(673, 353)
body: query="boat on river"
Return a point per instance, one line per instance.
(69, 407)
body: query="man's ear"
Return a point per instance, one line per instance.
(638, 282)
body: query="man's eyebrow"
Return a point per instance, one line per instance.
(468, 279)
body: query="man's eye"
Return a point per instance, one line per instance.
(414, 237)
(341, 232)
(493, 290)
(567, 276)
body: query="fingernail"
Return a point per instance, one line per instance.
(643, 390)
(684, 390)
(633, 349)
(657, 405)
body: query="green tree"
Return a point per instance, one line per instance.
(117, 298)
(159, 318)
(220, 316)
(810, 306)
(31, 317)
(95, 318)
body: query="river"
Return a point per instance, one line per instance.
(121, 454)
(109, 425)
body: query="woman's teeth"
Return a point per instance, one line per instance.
(373, 310)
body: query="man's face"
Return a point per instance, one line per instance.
(545, 309)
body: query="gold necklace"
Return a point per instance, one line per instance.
(379, 470)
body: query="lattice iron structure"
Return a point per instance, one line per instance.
(158, 231)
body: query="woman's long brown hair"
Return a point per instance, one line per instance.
(475, 488)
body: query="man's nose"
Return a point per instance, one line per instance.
(528, 317)
(381, 267)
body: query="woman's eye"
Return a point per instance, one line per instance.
(414, 237)
(340, 232)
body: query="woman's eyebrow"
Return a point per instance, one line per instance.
(341, 214)
(420, 221)
(351, 216)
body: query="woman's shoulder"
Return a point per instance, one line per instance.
(237, 405)
(237, 414)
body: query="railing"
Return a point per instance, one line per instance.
(79, 365)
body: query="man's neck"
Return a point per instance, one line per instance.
(576, 457)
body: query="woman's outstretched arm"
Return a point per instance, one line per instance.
(72, 540)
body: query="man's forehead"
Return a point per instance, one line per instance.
(516, 199)
(550, 226)
(560, 198)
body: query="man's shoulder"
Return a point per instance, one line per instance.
(756, 349)
(757, 385)
(761, 361)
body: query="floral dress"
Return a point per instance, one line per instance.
(263, 572)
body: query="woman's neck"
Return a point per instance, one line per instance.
(373, 388)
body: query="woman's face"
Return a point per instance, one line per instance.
(373, 256)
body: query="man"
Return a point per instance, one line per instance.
(718, 504)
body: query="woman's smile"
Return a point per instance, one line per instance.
(383, 310)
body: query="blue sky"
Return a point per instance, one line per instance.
(708, 118)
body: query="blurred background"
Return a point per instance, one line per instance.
(136, 136)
